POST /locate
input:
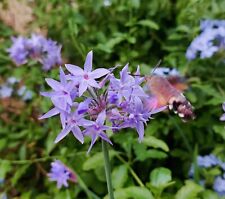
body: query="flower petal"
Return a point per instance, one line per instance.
(222, 118)
(50, 113)
(63, 133)
(78, 134)
(93, 83)
(105, 137)
(62, 76)
(83, 87)
(140, 130)
(88, 62)
(55, 85)
(101, 118)
(93, 140)
(59, 102)
(75, 70)
(99, 73)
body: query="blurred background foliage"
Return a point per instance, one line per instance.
(118, 31)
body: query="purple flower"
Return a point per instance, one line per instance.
(117, 102)
(137, 117)
(207, 161)
(5, 91)
(125, 88)
(222, 118)
(73, 122)
(18, 51)
(61, 174)
(86, 76)
(97, 130)
(45, 51)
(63, 92)
(210, 40)
(51, 54)
(219, 185)
(35, 45)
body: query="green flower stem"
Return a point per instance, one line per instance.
(107, 169)
(135, 176)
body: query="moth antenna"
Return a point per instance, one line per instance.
(156, 66)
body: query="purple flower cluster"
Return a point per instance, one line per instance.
(211, 161)
(210, 40)
(87, 103)
(222, 118)
(61, 174)
(45, 51)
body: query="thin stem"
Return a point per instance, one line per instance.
(107, 169)
(135, 176)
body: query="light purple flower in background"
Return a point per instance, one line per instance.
(45, 51)
(18, 51)
(210, 24)
(207, 161)
(51, 54)
(219, 185)
(35, 46)
(97, 129)
(61, 174)
(222, 118)
(209, 41)
(12, 80)
(164, 71)
(5, 91)
(86, 76)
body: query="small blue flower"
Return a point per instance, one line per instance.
(219, 185)
(5, 91)
(207, 161)
(209, 41)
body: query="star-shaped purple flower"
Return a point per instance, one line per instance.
(74, 121)
(86, 77)
(63, 92)
(61, 174)
(97, 130)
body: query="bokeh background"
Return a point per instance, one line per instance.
(140, 32)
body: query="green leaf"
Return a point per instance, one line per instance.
(208, 194)
(132, 192)
(19, 173)
(189, 191)
(5, 167)
(139, 192)
(149, 23)
(154, 142)
(119, 176)
(96, 161)
(160, 177)
(152, 153)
